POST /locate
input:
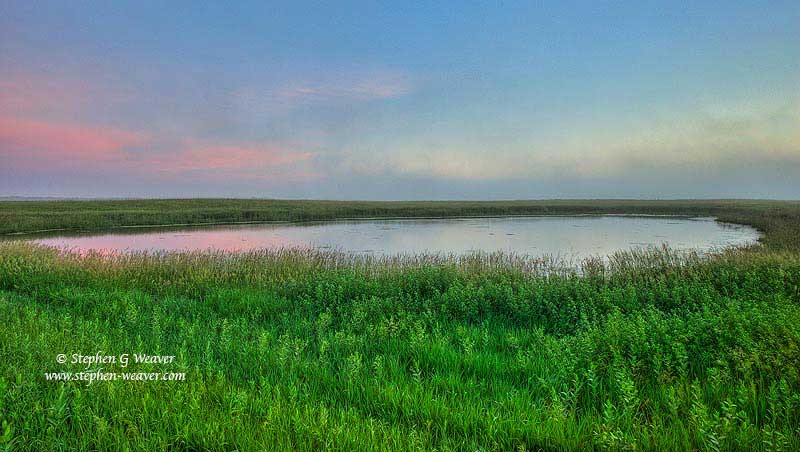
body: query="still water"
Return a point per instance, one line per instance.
(572, 237)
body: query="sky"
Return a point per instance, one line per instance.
(400, 100)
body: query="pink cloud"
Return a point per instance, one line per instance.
(42, 141)
(224, 162)
(35, 145)
(49, 142)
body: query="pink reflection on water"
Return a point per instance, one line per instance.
(568, 237)
(229, 239)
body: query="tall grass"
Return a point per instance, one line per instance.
(309, 350)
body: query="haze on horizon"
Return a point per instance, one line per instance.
(393, 101)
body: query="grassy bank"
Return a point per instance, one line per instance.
(290, 350)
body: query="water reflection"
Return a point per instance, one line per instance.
(570, 237)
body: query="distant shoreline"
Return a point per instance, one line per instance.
(777, 221)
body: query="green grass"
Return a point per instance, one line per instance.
(301, 350)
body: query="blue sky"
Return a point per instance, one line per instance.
(457, 100)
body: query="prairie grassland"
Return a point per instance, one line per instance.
(310, 350)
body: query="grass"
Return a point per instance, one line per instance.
(311, 350)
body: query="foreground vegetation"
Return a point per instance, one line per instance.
(300, 350)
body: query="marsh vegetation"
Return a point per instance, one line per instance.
(306, 350)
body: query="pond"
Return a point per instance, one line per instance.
(569, 237)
